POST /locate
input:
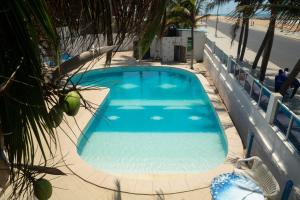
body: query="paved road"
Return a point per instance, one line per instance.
(285, 51)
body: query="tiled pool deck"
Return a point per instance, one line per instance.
(84, 182)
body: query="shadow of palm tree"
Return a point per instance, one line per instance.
(117, 193)
(160, 195)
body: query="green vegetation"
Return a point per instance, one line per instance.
(30, 92)
(184, 14)
(153, 22)
(56, 115)
(242, 15)
(285, 11)
(42, 189)
(71, 103)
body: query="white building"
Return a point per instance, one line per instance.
(169, 49)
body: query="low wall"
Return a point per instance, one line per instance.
(248, 117)
(80, 44)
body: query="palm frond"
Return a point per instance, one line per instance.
(213, 4)
(151, 28)
(35, 29)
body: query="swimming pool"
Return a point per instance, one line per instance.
(154, 120)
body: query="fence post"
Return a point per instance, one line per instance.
(289, 128)
(251, 88)
(249, 144)
(272, 106)
(213, 47)
(287, 190)
(229, 64)
(260, 94)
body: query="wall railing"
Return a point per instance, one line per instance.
(286, 121)
(289, 124)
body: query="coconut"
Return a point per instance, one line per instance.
(71, 103)
(42, 189)
(56, 115)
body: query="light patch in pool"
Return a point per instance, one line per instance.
(131, 108)
(177, 108)
(113, 117)
(129, 86)
(157, 118)
(194, 117)
(167, 86)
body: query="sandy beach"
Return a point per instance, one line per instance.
(259, 23)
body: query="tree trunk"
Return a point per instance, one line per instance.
(109, 54)
(217, 21)
(163, 25)
(240, 40)
(109, 35)
(192, 57)
(267, 50)
(79, 60)
(246, 31)
(290, 78)
(260, 50)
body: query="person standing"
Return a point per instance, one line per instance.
(295, 84)
(279, 79)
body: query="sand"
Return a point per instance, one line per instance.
(259, 23)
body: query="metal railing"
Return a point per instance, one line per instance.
(286, 120)
(258, 92)
(221, 55)
(264, 98)
(289, 124)
(210, 44)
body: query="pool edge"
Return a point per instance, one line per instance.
(151, 183)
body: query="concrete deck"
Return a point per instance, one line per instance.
(85, 182)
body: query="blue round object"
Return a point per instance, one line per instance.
(233, 186)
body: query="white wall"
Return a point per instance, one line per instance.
(199, 41)
(155, 48)
(164, 48)
(269, 144)
(167, 47)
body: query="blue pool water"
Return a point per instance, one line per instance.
(155, 119)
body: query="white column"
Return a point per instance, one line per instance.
(272, 106)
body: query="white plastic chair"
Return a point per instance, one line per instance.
(254, 168)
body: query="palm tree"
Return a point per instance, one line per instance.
(152, 26)
(267, 43)
(33, 31)
(184, 13)
(217, 20)
(246, 14)
(286, 11)
(213, 4)
(243, 12)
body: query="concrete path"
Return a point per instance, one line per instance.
(223, 41)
